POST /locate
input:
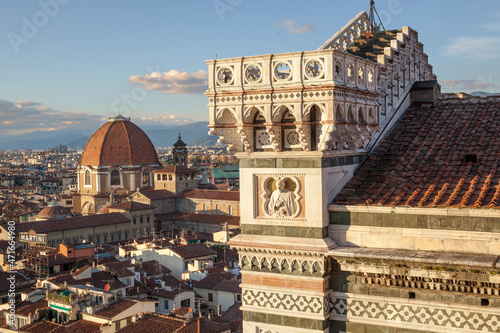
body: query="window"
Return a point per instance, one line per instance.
(231, 210)
(105, 238)
(117, 325)
(158, 177)
(97, 239)
(145, 176)
(210, 297)
(129, 320)
(217, 209)
(411, 295)
(164, 177)
(87, 178)
(115, 178)
(204, 208)
(165, 304)
(141, 219)
(119, 236)
(135, 220)
(485, 302)
(147, 218)
(186, 303)
(238, 297)
(112, 236)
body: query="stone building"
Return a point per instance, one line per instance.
(118, 160)
(370, 204)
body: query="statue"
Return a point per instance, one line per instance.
(281, 200)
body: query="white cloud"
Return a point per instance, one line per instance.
(173, 81)
(464, 85)
(25, 104)
(474, 47)
(294, 27)
(28, 116)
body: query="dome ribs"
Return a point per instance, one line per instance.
(119, 143)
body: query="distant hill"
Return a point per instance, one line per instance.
(161, 136)
(482, 93)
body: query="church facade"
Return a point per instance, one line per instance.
(352, 221)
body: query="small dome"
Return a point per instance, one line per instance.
(179, 145)
(119, 142)
(53, 211)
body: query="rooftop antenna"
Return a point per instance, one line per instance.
(373, 11)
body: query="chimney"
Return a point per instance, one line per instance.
(134, 318)
(209, 315)
(219, 310)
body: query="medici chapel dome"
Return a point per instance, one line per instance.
(119, 142)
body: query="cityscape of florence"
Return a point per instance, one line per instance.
(232, 166)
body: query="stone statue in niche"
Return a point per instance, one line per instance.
(281, 201)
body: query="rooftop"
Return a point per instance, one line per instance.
(445, 155)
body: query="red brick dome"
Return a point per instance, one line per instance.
(119, 142)
(53, 210)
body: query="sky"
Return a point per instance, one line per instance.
(68, 64)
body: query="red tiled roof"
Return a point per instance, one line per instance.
(202, 218)
(40, 326)
(442, 156)
(176, 169)
(193, 251)
(211, 195)
(154, 323)
(204, 325)
(30, 308)
(157, 194)
(129, 206)
(119, 143)
(115, 308)
(213, 280)
(72, 223)
(153, 267)
(181, 312)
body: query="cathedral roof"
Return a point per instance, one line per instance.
(119, 142)
(446, 155)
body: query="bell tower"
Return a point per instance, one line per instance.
(300, 124)
(179, 153)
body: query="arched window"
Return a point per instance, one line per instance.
(158, 177)
(164, 176)
(289, 135)
(260, 137)
(115, 178)
(315, 119)
(169, 177)
(87, 178)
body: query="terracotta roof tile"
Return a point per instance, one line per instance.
(115, 308)
(154, 323)
(203, 218)
(193, 251)
(119, 143)
(72, 223)
(442, 156)
(211, 194)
